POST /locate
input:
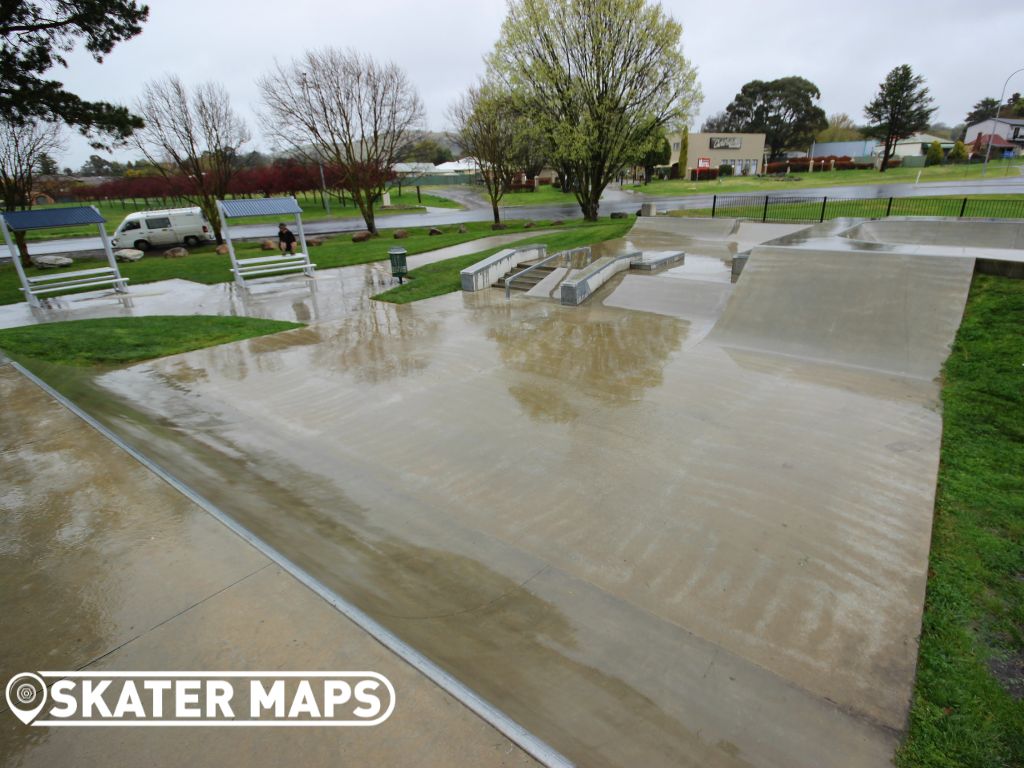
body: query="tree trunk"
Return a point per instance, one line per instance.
(889, 142)
(19, 240)
(494, 209)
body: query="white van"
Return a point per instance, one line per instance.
(146, 229)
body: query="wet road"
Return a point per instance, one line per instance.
(614, 200)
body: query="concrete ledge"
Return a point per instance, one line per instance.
(648, 261)
(579, 287)
(485, 273)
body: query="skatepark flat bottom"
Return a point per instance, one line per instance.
(644, 551)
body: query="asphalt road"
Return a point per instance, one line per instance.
(613, 200)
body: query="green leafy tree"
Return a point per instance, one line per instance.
(783, 110)
(840, 128)
(901, 109)
(958, 154)
(485, 124)
(427, 150)
(717, 123)
(659, 153)
(46, 165)
(982, 110)
(934, 156)
(603, 78)
(37, 35)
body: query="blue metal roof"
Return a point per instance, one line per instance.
(42, 218)
(263, 206)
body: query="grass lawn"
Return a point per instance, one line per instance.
(968, 707)
(205, 266)
(115, 340)
(545, 194)
(792, 184)
(312, 210)
(443, 276)
(987, 206)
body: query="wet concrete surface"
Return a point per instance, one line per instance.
(103, 566)
(644, 555)
(646, 546)
(331, 294)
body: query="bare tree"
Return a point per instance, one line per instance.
(23, 146)
(196, 135)
(347, 110)
(486, 126)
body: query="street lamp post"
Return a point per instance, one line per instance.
(995, 121)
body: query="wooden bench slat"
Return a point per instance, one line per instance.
(71, 275)
(79, 284)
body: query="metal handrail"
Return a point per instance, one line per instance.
(541, 263)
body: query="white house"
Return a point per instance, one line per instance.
(1011, 129)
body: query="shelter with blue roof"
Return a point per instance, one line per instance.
(67, 280)
(265, 266)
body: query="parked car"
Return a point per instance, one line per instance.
(172, 226)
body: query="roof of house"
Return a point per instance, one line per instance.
(997, 141)
(924, 138)
(1007, 120)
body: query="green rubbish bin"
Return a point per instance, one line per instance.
(399, 268)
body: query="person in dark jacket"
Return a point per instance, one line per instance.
(285, 239)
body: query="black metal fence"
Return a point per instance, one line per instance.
(804, 208)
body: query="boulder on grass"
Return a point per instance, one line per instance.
(313, 241)
(435, 231)
(51, 261)
(462, 229)
(499, 225)
(401, 234)
(222, 249)
(557, 223)
(268, 245)
(176, 253)
(362, 236)
(128, 254)
(528, 225)
(620, 214)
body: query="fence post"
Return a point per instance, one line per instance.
(824, 201)
(714, 203)
(888, 208)
(764, 216)
(963, 208)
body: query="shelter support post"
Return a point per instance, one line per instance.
(225, 230)
(308, 271)
(16, 259)
(119, 285)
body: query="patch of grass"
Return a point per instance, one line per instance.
(312, 210)
(791, 184)
(972, 642)
(115, 340)
(203, 265)
(545, 194)
(984, 206)
(443, 276)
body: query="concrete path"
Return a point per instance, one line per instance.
(106, 567)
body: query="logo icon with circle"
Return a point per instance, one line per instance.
(26, 696)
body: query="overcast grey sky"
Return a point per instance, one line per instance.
(846, 50)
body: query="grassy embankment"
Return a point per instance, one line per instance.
(792, 183)
(116, 340)
(312, 210)
(443, 276)
(203, 265)
(968, 707)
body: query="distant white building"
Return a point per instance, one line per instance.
(1011, 129)
(465, 165)
(917, 145)
(414, 169)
